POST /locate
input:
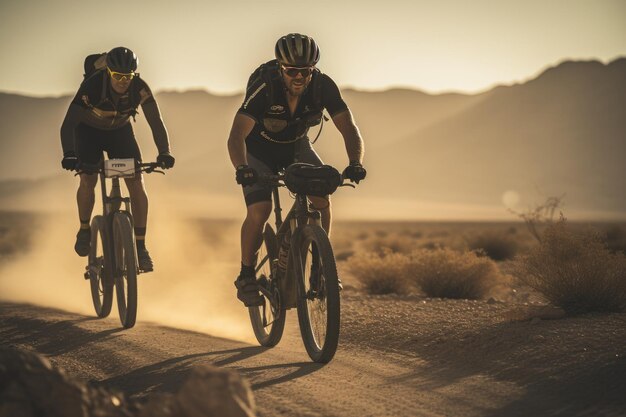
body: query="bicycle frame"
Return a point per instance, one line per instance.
(113, 202)
(298, 215)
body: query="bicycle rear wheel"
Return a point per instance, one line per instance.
(99, 268)
(318, 296)
(268, 320)
(125, 268)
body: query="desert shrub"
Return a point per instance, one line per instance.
(342, 242)
(540, 216)
(497, 246)
(575, 271)
(384, 273)
(432, 245)
(343, 255)
(615, 239)
(445, 273)
(394, 243)
(415, 234)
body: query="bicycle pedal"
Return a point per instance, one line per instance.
(87, 275)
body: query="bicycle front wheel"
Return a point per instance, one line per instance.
(318, 293)
(125, 268)
(268, 320)
(99, 268)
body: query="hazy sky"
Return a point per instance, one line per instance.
(431, 45)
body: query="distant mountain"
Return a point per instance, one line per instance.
(561, 132)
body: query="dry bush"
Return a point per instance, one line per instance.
(394, 243)
(382, 273)
(540, 216)
(441, 273)
(575, 271)
(497, 246)
(342, 242)
(445, 273)
(616, 238)
(415, 234)
(343, 255)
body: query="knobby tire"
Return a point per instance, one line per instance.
(319, 316)
(126, 269)
(269, 335)
(99, 268)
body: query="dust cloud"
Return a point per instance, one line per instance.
(196, 262)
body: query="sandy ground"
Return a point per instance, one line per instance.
(398, 355)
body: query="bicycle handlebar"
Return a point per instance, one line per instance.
(278, 180)
(147, 167)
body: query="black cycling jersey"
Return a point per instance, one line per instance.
(274, 135)
(106, 108)
(97, 105)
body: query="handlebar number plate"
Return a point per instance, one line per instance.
(120, 168)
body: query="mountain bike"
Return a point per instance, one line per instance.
(112, 260)
(296, 268)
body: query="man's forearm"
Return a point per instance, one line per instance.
(351, 135)
(242, 126)
(354, 145)
(237, 151)
(159, 132)
(72, 118)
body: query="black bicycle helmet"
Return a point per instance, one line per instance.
(122, 59)
(296, 50)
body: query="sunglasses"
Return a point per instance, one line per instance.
(294, 71)
(119, 76)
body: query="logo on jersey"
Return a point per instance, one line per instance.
(274, 125)
(276, 109)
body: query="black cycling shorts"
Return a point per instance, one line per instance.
(118, 143)
(255, 193)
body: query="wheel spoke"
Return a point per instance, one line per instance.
(318, 304)
(268, 320)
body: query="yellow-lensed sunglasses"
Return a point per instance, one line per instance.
(120, 76)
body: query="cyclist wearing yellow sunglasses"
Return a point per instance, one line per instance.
(98, 120)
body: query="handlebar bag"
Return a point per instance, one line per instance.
(308, 179)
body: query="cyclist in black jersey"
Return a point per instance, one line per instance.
(97, 120)
(269, 132)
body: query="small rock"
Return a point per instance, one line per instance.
(215, 391)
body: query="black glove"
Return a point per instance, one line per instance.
(166, 160)
(246, 176)
(88, 169)
(354, 172)
(69, 161)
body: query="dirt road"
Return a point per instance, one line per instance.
(366, 378)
